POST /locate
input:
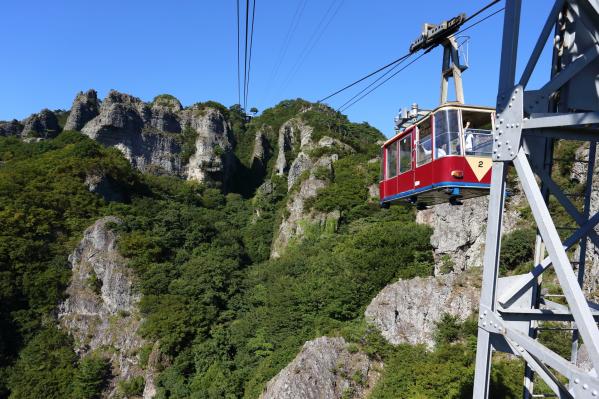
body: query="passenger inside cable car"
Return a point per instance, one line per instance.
(443, 156)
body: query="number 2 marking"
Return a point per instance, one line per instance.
(480, 164)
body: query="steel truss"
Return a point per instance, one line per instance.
(528, 122)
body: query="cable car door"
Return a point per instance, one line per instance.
(405, 182)
(423, 174)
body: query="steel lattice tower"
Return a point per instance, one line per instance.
(527, 125)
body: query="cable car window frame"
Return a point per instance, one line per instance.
(428, 157)
(393, 158)
(477, 132)
(407, 139)
(447, 133)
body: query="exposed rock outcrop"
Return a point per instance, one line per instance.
(122, 122)
(294, 136)
(105, 186)
(10, 128)
(41, 125)
(407, 311)
(297, 221)
(325, 368)
(149, 135)
(101, 309)
(85, 107)
(261, 153)
(213, 160)
(458, 237)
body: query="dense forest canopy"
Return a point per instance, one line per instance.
(226, 316)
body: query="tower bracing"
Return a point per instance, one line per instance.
(518, 312)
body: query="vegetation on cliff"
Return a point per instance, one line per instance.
(226, 316)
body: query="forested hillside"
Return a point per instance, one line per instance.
(232, 276)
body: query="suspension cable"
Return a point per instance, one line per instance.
(374, 82)
(247, 90)
(365, 77)
(245, 66)
(393, 64)
(238, 58)
(383, 82)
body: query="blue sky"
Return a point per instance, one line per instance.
(188, 48)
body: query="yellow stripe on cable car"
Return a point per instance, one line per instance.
(480, 165)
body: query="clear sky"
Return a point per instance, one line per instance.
(188, 48)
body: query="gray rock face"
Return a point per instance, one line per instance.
(41, 125)
(261, 153)
(149, 135)
(294, 136)
(213, 159)
(458, 237)
(298, 222)
(324, 369)
(164, 114)
(11, 128)
(407, 311)
(105, 186)
(301, 164)
(101, 309)
(121, 123)
(85, 107)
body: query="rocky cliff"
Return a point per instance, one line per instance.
(325, 368)
(407, 311)
(458, 237)
(306, 174)
(101, 310)
(160, 137)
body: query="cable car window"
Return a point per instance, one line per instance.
(478, 140)
(447, 133)
(392, 160)
(424, 152)
(405, 154)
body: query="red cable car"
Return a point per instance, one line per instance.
(444, 156)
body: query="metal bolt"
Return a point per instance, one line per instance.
(516, 91)
(507, 142)
(510, 105)
(494, 152)
(513, 98)
(517, 125)
(501, 121)
(496, 326)
(484, 323)
(576, 381)
(511, 154)
(585, 386)
(509, 148)
(594, 393)
(500, 132)
(521, 349)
